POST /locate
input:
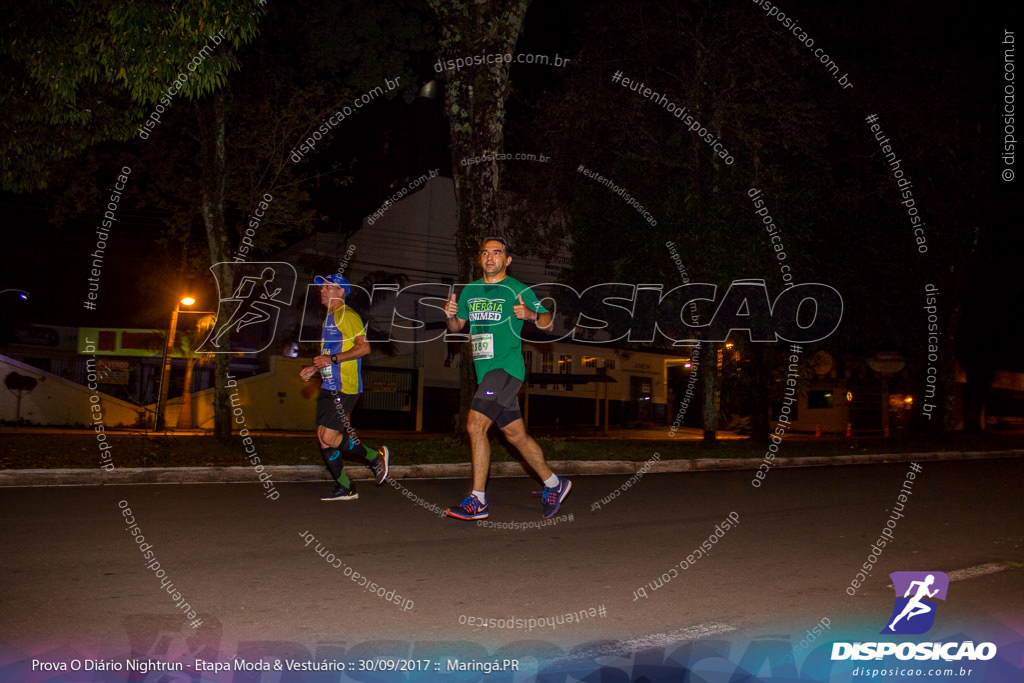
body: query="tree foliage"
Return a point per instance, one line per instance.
(77, 74)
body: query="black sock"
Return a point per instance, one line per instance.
(335, 465)
(358, 450)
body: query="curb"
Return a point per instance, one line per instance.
(300, 473)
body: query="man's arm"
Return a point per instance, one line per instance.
(543, 321)
(360, 348)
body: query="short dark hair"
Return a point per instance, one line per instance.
(502, 240)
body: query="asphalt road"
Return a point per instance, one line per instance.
(73, 577)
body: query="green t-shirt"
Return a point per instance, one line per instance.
(493, 326)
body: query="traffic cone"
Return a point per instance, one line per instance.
(849, 429)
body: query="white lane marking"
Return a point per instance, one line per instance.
(975, 571)
(625, 648)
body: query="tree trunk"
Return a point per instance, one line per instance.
(709, 378)
(954, 287)
(475, 104)
(976, 393)
(760, 417)
(947, 369)
(211, 119)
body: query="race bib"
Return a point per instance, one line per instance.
(483, 346)
(327, 372)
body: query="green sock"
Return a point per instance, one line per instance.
(344, 480)
(358, 450)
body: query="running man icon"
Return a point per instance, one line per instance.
(252, 308)
(926, 588)
(251, 297)
(915, 606)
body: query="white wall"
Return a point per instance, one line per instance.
(277, 399)
(57, 401)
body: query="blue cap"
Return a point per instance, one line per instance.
(336, 279)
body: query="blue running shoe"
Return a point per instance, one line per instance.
(469, 509)
(553, 497)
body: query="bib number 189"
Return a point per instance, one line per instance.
(483, 346)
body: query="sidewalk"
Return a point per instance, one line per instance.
(299, 473)
(645, 434)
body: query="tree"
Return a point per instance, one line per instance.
(231, 142)
(288, 101)
(122, 59)
(746, 86)
(78, 74)
(475, 102)
(19, 385)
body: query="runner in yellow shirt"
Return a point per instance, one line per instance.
(339, 363)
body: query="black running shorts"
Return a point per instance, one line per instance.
(333, 408)
(497, 398)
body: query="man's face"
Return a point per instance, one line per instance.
(493, 259)
(332, 296)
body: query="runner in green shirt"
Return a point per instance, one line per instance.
(496, 306)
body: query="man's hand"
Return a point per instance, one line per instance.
(307, 373)
(451, 307)
(522, 312)
(451, 311)
(321, 361)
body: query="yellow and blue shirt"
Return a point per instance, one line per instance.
(339, 334)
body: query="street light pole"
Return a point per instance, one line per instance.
(159, 424)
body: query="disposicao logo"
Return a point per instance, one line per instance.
(914, 614)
